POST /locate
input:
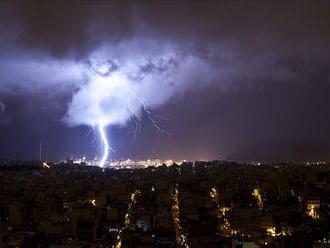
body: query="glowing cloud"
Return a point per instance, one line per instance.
(121, 84)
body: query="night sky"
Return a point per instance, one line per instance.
(226, 79)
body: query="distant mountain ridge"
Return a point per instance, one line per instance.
(303, 150)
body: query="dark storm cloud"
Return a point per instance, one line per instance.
(248, 28)
(238, 45)
(240, 34)
(66, 28)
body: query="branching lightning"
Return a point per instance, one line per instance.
(151, 116)
(104, 139)
(136, 128)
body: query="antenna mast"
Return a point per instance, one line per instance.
(40, 151)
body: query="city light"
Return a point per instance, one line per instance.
(127, 218)
(312, 209)
(119, 163)
(93, 202)
(257, 196)
(271, 231)
(181, 237)
(222, 212)
(45, 165)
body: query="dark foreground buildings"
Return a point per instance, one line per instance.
(201, 204)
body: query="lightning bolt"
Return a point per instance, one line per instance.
(136, 128)
(104, 141)
(152, 117)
